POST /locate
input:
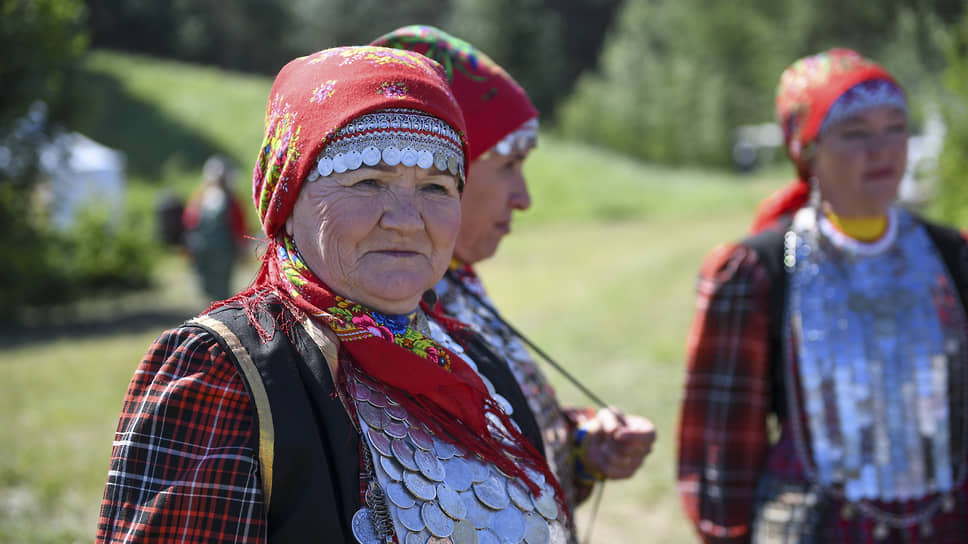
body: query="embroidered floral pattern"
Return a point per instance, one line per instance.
(323, 92)
(352, 321)
(393, 89)
(279, 148)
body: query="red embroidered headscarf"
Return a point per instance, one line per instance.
(337, 110)
(494, 105)
(806, 92)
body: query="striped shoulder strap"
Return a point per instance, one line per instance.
(256, 389)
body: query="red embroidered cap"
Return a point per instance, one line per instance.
(315, 97)
(494, 105)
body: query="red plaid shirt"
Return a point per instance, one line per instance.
(184, 465)
(722, 433)
(724, 446)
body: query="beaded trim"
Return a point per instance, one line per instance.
(393, 136)
(864, 96)
(525, 137)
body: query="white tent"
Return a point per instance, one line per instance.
(82, 172)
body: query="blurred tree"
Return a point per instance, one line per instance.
(952, 198)
(43, 43)
(671, 86)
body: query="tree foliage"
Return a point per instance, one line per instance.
(43, 42)
(672, 85)
(952, 199)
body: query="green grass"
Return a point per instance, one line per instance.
(600, 273)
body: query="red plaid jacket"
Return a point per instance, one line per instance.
(183, 467)
(724, 445)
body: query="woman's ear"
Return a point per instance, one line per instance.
(289, 222)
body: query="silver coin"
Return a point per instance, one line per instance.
(396, 429)
(358, 390)
(392, 467)
(429, 465)
(421, 438)
(486, 536)
(410, 518)
(380, 441)
(363, 528)
(479, 470)
(396, 412)
(373, 416)
(477, 513)
(535, 476)
(492, 493)
(536, 530)
(421, 487)
(546, 505)
(378, 399)
(464, 533)
(450, 501)
(437, 522)
(457, 474)
(418, 538)
(508, 524)
(403, 452)
(445, 450)
(398, 495)
(520, 496)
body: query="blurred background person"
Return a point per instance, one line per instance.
(583, 446)
(314, 405)
(214, 228)
(843, 318)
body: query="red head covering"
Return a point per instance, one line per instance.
(494, 105)
(805, 94)
(313, 97)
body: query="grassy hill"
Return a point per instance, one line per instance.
(600, 273)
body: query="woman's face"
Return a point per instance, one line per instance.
(860, 161)
(495, 188)
(379, 235)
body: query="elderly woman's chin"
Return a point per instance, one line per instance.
(392, 283)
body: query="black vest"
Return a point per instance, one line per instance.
(316, 457)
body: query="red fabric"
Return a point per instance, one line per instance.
(314, 96)
(182, 465)
(784, 201)
(722, 433)
(494, 105)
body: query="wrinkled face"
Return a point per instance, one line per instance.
(860, 161)
(495, 188)
(380, 235)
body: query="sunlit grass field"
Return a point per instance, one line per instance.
(599, 273)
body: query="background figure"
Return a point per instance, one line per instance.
(582, 446)
(214, 228)
(842, 317)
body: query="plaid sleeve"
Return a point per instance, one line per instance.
(184, 465)
(722, 428)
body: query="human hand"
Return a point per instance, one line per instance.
(616, 444)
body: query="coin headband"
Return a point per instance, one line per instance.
(393, 136)
(522, 139)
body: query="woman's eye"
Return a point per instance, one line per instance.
(366, 183)
(855, 134)
(437, 188)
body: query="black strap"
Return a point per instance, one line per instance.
(954, 252)
(768, 246)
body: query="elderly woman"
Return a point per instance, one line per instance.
(842, 320)
(315, 406)
(502, 125)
